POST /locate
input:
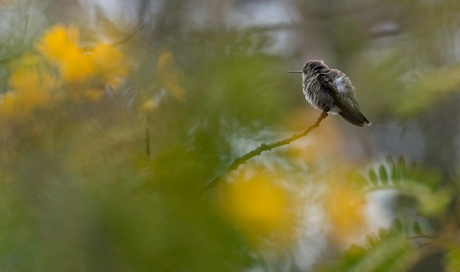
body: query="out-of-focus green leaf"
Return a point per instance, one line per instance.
(360, 180)
(420, 185)
(417, 228)
(397, 225)
(402, 165)
(373, 176)
(453, 259)
(383, 174)
(429, 88)
(391, 253)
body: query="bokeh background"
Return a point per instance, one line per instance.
(115, 114)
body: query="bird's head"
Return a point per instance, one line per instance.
(312, 68)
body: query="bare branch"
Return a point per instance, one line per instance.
(136, 30)
(147, 143)
(263, 147)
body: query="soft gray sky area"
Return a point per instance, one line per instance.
(240, 14)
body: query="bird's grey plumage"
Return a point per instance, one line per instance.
(331, 90)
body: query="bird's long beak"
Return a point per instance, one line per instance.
(295, 71)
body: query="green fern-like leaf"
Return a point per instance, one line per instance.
(383, 174)
(391, 253)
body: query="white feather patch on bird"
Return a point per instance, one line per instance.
(340, 84)
(334, 110)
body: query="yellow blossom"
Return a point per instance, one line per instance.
(261, 209)
(345, 208)
(61, 45)
(31, 87)
(323, 144)
(109, 63)
(59, 42)
(83, 70)
(77, 67)
(149, 105)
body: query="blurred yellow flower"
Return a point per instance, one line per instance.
(59, 42)
(168, 75)
(34, 82)
(109, 63)
(31, 87)
(60, 46)
(77, 67)
(149, 105)
(102, 64)
(345, 208)
(261, 209)
(325, 143)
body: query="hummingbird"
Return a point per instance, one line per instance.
(331, 90)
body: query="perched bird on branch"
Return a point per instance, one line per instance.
(331, 90)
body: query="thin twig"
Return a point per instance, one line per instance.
(136, 30)
(422, 236)
(263, 147)
(147, 143)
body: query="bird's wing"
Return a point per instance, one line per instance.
(347, 108)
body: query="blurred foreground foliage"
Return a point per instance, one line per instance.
(78, 191)
(423, 225)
